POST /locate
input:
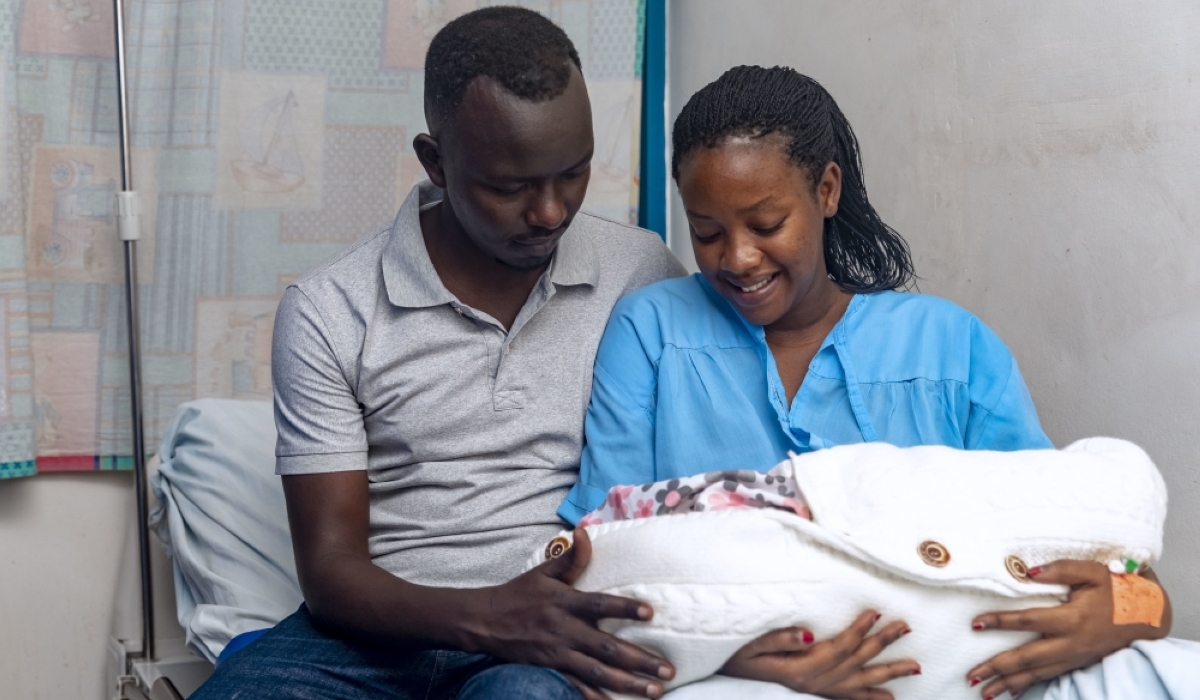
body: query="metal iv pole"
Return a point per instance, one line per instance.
(129, 213)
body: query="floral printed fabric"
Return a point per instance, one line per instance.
(720, 490)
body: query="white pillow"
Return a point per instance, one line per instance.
(883, 518)
(222, 518)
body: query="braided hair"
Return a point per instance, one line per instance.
(862, 253)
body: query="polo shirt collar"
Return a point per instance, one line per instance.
(408, 273)
(412, 282)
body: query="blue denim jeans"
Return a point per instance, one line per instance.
(295, 660)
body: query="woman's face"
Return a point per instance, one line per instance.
(756, 223)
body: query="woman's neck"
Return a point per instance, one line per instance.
(816, 314)
(795, 339)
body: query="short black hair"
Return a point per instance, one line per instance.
(527, 54)
(862, 253)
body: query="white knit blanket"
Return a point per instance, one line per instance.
(883, 517)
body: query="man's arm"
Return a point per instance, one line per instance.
(536, 618)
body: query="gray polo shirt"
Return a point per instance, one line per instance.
(470, 435)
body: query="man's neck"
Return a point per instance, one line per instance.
(471, 275)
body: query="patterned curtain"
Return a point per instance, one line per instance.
(267, 136)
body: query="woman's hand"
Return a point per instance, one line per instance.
(1074, 635)
(832, 669)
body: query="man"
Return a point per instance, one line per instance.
(430, 392)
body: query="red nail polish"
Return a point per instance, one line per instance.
(977, 626)
(877, 616)
(904, 631)
(917, 672)
(808, 637)
(976, 681)
(1034, 571)
(989, 697)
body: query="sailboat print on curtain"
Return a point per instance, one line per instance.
(268, 140)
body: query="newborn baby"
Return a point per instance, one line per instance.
(713, 491)
(931, 535)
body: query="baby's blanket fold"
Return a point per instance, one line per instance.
(930, 535)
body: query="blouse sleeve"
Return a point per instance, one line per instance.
(1002, 415)
(619, 427)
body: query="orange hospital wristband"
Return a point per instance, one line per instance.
(1137, 601)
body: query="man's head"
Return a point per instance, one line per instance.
(510, 131)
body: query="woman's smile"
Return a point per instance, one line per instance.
(753, 291)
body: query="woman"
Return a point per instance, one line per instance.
(792, 337)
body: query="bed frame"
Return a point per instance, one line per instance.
(175, 671)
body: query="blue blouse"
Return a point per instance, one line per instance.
(684, 385)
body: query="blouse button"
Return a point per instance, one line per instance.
(557, 547)
(934, 553)
(1016, 568)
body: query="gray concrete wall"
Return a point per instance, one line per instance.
(1041, 158)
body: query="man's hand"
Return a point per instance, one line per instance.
(1074, 635)
(538, 618)
(832, 669)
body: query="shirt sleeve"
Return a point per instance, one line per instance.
(1002, 415)
(319, 420)
(619, 427)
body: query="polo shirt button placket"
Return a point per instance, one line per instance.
(504, 396)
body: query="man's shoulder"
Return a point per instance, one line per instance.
(612, 227)
(352, 273)
(614, 237)
(626, 251)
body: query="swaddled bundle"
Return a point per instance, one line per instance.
(931, 535)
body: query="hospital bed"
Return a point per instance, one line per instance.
(221, 566)
(223, 569)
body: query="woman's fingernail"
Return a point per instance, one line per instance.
(905, 631)
(917, 672)
(989, 697)
(877, 616)
(1034, 571)
(664, 672)
(978, 626)
(808, 637)
(645, 612)
(976, 681)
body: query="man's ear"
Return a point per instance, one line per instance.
(430, 155)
